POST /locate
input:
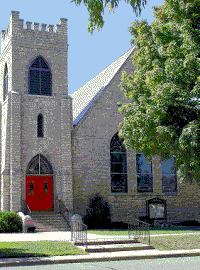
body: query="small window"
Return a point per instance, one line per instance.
(5, 83)
(144, 174)
(39, 78)
(118, 165)
(40, 126)
(169, 178)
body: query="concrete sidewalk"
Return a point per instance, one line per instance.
(66, 236)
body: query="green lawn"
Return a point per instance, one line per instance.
(174, 242)
(171, 230)
(61, 248)
(38, 249)
(164, 242)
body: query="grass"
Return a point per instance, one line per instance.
(164, 242)
(171, 230)
(38, 249)
(175, 242)
(61, 248)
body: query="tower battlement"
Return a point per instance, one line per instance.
(16, 25)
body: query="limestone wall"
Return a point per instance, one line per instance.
(91, 165)
(20, 47)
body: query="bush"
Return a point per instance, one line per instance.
(3, 227)
(187, 223)
(1, 214)
(10, 222)
(119, 226)
(97, 214)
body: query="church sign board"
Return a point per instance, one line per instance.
(156, 209)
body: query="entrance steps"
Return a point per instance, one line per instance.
(49, 222)
(113, 246)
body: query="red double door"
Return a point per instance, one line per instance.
(39, 193)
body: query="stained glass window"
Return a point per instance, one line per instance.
(169, 178)
(40, 78)
(40, 126)
(39, 165)
(118, 165)
(144, 174)
(5, 83)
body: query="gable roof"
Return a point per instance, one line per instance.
(87, 94)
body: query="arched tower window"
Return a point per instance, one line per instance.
(39, 78)
(5, 83)
(40, 126)
(118, 165)
(144, 174)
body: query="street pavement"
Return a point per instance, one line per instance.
(92, 257)
(180, 263)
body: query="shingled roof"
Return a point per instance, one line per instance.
(85, 96)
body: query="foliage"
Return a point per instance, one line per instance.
(96, 9)
(163, 116)
(10, 222)
(98, 213)
(1, 214)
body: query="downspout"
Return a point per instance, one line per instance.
(10, 206)
(61, 151)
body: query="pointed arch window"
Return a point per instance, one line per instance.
(5, 83)
(39, 165)
(40, 126)
(144, 174)
(40, 78)
(118, 165)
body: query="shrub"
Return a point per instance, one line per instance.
(10, 222)
(187, 223)
(2, 226)
(119, 225)
(1, 214)
(97, 213)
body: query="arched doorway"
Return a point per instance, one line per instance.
(39, 184)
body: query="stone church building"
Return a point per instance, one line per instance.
(55, 147)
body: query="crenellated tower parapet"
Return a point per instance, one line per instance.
(16, 28)
(22, 43)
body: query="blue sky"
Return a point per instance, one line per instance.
(88, 55)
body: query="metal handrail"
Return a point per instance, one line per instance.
(79, 232)
(29, 210)
(63, 211)
(26, 208)
(140, 230)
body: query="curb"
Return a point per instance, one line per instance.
(58, 260)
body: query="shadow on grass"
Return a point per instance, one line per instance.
(122, 226)
(160, 230)
(171, 228)
(177, 228)
(38, 249)
(18, 253)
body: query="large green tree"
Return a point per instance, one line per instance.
(163, 115)
(96, 10)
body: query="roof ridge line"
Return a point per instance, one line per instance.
(83, 97)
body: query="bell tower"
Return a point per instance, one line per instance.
(36, 113)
